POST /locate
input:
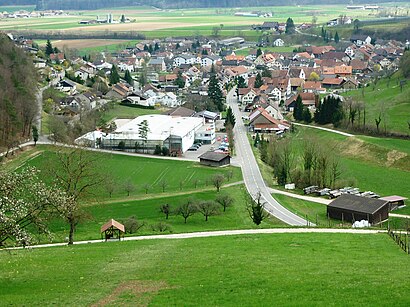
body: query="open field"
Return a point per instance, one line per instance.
(180, 176)
(87, 43)
(388, 100)
(120, 111)
(186, 22)
(248, 270)
(146, 210)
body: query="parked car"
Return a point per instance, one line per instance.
(193, 148)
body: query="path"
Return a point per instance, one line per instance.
(303, 197)
(399, 215)
(251, 173)
(325, 129)
(208, 234)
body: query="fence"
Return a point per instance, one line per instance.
(402, 239)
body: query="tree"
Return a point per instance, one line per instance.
(77, 172)
(129, 187)
(306, 115)
(266, 73)
(147, 187)
(215, 31)
(405, 64)
(180, 81)
(378, 120)
(34, 134)
(230, 118)
(122, 18)
(290, 26)
(132, 225)
(224, 200)
(165, 209)
(156, 47)
(258, 81)
(143, 78)
(337, 38)
(298, 109)
(186, 210)
(163, 184)
(110, 186)
(121, 145)
(143, 130)
(258, 52)
(26, 204)
(356, 25)
(314, 76)
(128, 78)
(114, 76)
(240, 82)
(207, 208)
(57, 129)
(217, 181)
(49, 48)
(255, 208)
(215, 93)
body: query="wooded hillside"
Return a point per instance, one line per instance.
(18, 86)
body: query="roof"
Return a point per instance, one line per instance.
(112, 223)
(393, 198)
(358, 204)
(207, 114)
(180, 111)
(213, 156)
(333, 81)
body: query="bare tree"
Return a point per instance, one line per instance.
(229, 175)
(256, 209)
(78, 173)
(110, 186)
(196, 182)
(161, 227)
(147, 187)
(132, 225)
(186, 210)
(129, 186)
(217, 181)
(225, 201)
(378, 121)
(207, 208)
(166, 209)
(163, 184)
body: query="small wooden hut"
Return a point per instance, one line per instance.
(112, 230)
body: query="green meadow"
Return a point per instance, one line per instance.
(246, 270)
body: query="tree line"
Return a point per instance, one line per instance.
(18, 85)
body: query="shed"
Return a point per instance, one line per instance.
(112, 230)
(394, 201)
(211, 158)
(353, 208)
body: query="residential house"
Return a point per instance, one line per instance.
(246, 95)
(332, 83)
(261, 121)
(209, 60)
(158, 64)
(278, 42)
(119, 91)
(67, 86)
(360, 40)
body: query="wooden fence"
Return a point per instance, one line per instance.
(401, 238)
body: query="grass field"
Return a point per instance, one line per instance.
(147, 212)
(120, 111)
(257, 270)
(392, 102)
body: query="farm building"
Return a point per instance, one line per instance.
(214, 159)
(353, 208)
(394, 201)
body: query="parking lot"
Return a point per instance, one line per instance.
(193, 155)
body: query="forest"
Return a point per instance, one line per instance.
(18, 85)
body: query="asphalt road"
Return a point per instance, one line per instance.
(251, 173)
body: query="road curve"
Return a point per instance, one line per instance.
(251, 173)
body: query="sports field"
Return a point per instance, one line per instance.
(247, 270)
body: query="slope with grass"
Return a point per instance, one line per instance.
(389, 100)
(247, 270)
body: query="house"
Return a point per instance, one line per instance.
(261, 121)
(118, 91)
(350, 84)
(308, 99)
(332, 83)
(180, 112)
(313, 87)
(139, 99)
(215, 159)
(185, 59)
(158, 64)
(296, 83)
(278, 42)
(267, 26)
(351, 208)
(57, 57)
(67, 86)
(360, 40)
(246, 95)
(209, 60)
(84, 73)
(273, 110)
(210, 117)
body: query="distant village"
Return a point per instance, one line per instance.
(176, 72)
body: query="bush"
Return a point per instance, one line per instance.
(132, 225)
(157, 150)
(161, 227)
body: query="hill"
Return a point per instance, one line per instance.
(18, 83)
(246, 270)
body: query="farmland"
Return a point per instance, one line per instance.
(287, 269)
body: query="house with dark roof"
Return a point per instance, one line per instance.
(351, 208)
(261, 121)
(180, 112)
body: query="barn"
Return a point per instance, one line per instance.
(353, 208)
(214, 159)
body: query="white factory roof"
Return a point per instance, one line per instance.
(160, 127)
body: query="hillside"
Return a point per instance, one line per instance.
(18, 83)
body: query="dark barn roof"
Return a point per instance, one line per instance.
(213, 156)
(358, 203)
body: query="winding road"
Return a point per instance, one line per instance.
(251, 173)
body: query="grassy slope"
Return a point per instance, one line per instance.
(147, 212)
(389, 100)
(119, 111)
(287, 269)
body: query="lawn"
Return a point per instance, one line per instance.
(147, 212)
(120, 111)
(247, 270)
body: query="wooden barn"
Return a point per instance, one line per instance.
(215, 159)
(353, 208)
(394, 201)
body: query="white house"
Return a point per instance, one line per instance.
(209, 60)
(279, 43)
(186, 59)
(275, 94)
